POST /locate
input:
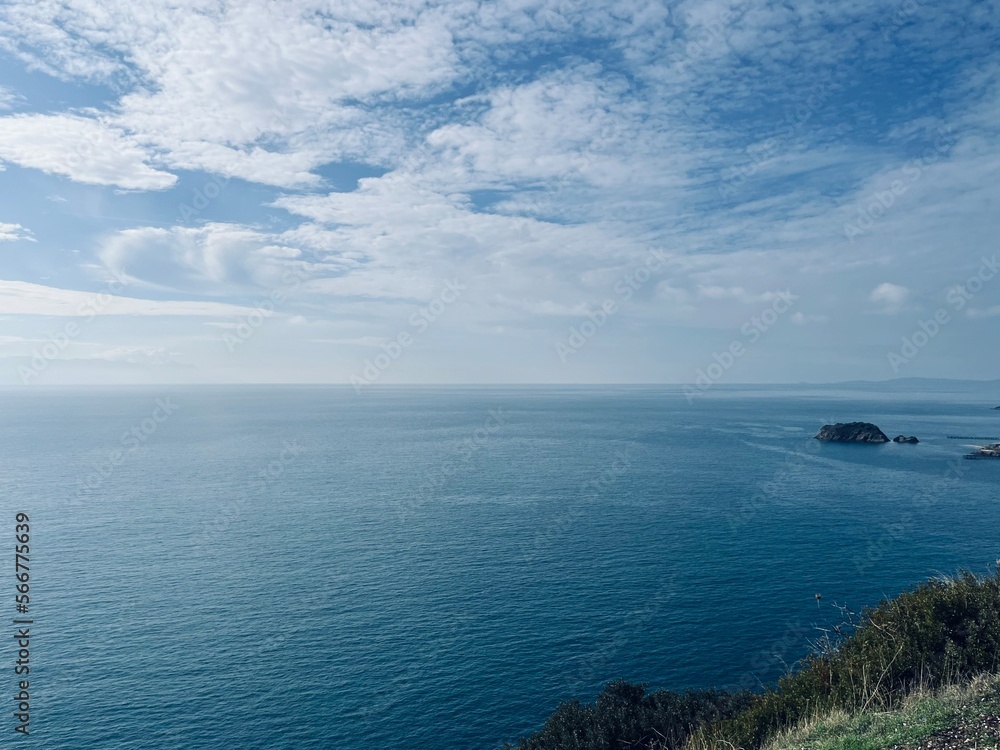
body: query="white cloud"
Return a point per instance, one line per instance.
(721, 292)
(212, 259)
(136, 355)
(366, 341)
(14, 232)
(398, 238)
(265, 91)
(892, 297)
(738, 293)
(8, 98)
(81, 148)
(545, 307)
(546, 183)
(800, 318)
(23, 298)
(988, 312)
(571, 125)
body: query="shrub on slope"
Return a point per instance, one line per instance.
(943, 631)
(625, 716)
(940, 632)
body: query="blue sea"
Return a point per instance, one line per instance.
(437, 568)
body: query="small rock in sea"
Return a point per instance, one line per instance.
(852, 432)
(904, 439)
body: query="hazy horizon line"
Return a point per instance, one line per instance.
(389, 386)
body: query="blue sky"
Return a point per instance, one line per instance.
(547, 191)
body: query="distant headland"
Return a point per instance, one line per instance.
(986, 451)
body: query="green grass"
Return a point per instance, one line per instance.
(864, 680)
(917, 719)
(941, 632)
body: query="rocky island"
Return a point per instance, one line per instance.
(852, 432)
(904, 439)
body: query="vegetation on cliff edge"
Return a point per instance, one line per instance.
(943, 632)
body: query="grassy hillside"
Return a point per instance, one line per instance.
(943, 632)
(957, 716)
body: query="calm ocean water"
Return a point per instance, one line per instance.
(437, 568)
